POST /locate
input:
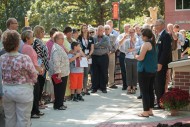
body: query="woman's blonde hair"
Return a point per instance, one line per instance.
(37, 30)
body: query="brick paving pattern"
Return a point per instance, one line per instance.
(145, 124)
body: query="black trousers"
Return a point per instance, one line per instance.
(146, 82)
(36, 92)
(131, 72)
(41, 80)
(159, 84)
(59, 92)
(100, 72)
(123, 68)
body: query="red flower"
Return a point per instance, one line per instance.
(175, 99)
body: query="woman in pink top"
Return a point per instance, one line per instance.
(28, 39)
(50, 42)
(19, 76)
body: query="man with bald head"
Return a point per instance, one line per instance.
(100, 61)
(163, 44)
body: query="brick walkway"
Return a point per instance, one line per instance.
(146, 124)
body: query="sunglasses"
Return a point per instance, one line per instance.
(91, 32)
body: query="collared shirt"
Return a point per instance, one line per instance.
(139, 42)
(158, 36)
(103, 47)
(161, 32)
(181, 39)
(114, 47)
(59, 61)
(67, 44)
(73, 67)
(121, 47)
(115, 33)
(17, 69)
(128, 45)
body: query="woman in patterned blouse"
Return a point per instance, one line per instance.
(19, 76)
(59, 65)
(42, 54)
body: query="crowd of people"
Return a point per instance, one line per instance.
(68, 58)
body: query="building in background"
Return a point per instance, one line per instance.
(178, 12)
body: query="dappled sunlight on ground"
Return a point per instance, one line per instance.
(115, 108)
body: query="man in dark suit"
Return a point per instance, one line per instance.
(163, 44)
(100, 61)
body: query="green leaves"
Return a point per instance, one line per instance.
(59, 13)
(13, 8)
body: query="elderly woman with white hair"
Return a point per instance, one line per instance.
(111, 67)
(59, 70)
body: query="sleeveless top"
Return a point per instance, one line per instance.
(149, 63)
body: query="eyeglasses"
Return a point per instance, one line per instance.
(156, 25)
(107, 29)
(131, 32)
(91, 32)
(61, 38)
(14, 23)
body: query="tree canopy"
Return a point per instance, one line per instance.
(60, 13)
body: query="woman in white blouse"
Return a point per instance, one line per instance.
(131, 62)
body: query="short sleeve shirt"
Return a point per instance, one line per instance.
(74, 69)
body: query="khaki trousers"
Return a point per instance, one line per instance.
(174, 55)
(111, 69)
(174, 58)
(17, 104)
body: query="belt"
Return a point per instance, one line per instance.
(100, 55)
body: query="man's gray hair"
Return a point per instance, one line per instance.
(107, 26)
(146, 26)
(109, 21)
(100, 26)
(9, 21)
(127, 25)
(161, 21)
